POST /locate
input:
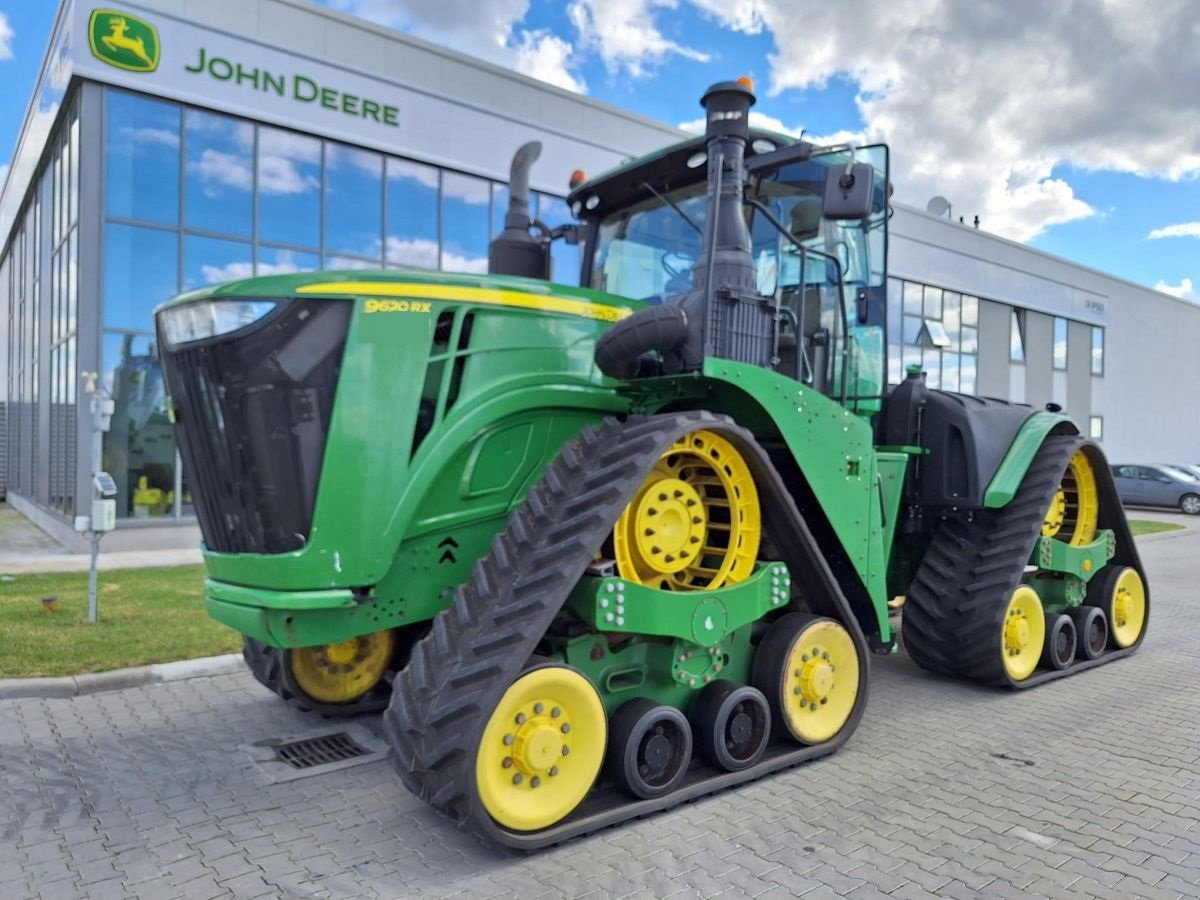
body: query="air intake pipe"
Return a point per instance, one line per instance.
(515, 251)
(681, 339)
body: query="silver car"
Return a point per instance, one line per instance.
(1158, 485)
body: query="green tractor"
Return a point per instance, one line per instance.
(602, 550)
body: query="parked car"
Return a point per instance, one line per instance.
(1158, 485)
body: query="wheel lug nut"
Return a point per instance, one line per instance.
(553, 771)
(537, 708)
(555, 712)
(508, 739)
(535, 782)
(566, 750)
(518, 778)
(508, 762)
(566, 729)
(520, 718)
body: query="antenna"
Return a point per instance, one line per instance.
(938, 206)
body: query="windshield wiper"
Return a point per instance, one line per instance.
(671, 203)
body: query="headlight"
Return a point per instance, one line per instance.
(209, 318)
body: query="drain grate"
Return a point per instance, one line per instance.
(319, 751)
(288, 757)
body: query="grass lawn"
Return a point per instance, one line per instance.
(1145, 526)
(145, 616)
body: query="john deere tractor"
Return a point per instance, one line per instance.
(602, 550)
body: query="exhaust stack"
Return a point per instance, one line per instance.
(515, 251)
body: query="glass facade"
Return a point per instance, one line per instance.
(1097, 350)
(1060, 343)
(39, 289)
(935, 329)
(194, 197)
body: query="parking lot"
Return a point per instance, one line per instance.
(1088, 787)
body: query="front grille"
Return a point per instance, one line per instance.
(252, 412)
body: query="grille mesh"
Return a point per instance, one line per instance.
(319, 751)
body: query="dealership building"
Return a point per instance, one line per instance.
(176, 143)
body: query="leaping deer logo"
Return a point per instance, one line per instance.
(123, 40)
(118, 40)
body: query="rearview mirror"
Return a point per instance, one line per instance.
(849, 191)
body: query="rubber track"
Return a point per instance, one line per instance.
(952, 619)
(482, 641)
(266, 665)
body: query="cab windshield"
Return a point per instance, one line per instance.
(647, 251)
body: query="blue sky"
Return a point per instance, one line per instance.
(1072, 130)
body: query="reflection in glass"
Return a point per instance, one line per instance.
(970, 340)
(1097, 350)
(141, 270)
(932, 363)
(289, 188)
(213, 261)
(933, 303)
(412, 214)
(219, 172)
(142, 180)
(465, 223)
(280, 261)
(950, 371)
(353, 201)
(1060, 343)
(966, 376)
(952, 316)
(139, 448)
(500, 206)
(1016, 337)
(349, 262)
(913, 298)
(565, 259)
(970, 310)
(895, 300)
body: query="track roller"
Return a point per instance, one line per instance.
(732, 723)
(807, 669)
(650, 747)
(1091, 631)
(542, 748)
(1119, 591)
(343, 679)
(1059, 649)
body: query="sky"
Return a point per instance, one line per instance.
(1070, 126)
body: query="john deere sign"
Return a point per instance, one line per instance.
(124, 41)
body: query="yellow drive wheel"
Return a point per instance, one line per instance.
(1023, 633)
(541, 749)
(808, 669)
(1120, 593)
(345, 671)
(1075, 510)
(695, 523)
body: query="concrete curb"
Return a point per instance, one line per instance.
(118, 679)
(1182, 531)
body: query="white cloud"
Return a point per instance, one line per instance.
(547, 57)
(280, 175)
(1183, 229)
(217, 169)
(6, 36)
(484, 28)
(985, 104)
(236, 271)
(1184, 289)
(423, 254)
(626, 34)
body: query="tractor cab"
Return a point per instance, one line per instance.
(818, 250)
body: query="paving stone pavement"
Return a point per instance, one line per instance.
(1088, 787)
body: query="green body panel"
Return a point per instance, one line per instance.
(700, 617)
(1065, 571)
(1003, 486)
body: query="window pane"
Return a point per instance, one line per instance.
(141, 270)
(895, 301)
(895, 371)
(412, 214)
(970, 310)
(280, 261)
(564, 258)
(289, 188)
(1016, 339)
(142, 180)
(966, 374)
(950, 371)
(219, 167)
(952, 316)
(913, 298)
(932, 362)
(353, 201)
(465, 224)
(970, 340)
(212, 261)
(139, 448)
(1097, 350)
(500, 207)
(1060, 343)
(933, 303)
(912, 329)
(349, 262)
(1096, 428)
